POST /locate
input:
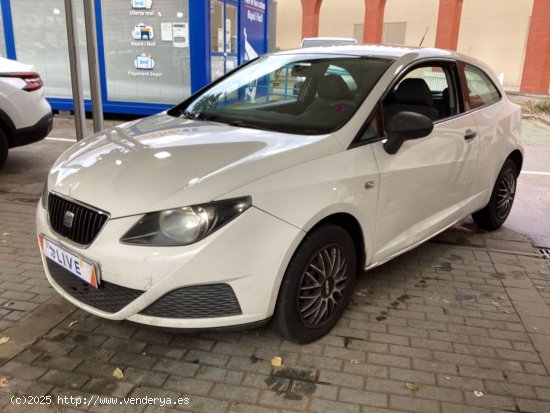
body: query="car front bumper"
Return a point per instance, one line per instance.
(248, 257)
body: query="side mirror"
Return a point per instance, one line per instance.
(405, 126)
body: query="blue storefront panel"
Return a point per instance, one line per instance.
(152, 53)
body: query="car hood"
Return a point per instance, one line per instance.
(163, 162)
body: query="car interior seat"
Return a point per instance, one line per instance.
(412, 95)
(331, 89)
(443, 104)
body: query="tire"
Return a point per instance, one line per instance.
(502, 198)
(3, 148)
(328, 249)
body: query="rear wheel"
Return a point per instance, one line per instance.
(502, 198)
(317, 285)
(3, 148)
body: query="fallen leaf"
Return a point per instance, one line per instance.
(118, 374)
(447, 377)
(413, 386)
(361, 292)
(72, 323)
(276, 361)
(478, 393)
(4, 340)
(5, 234)
(505, 311)
(354, 361)
(495, 304)
(3, 382)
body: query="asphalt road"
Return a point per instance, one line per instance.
(531, 211)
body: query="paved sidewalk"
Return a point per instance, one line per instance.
(460, 324)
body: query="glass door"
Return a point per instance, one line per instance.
(223, 37)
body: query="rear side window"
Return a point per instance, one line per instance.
(480, 89)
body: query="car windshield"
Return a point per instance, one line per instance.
(289, 93)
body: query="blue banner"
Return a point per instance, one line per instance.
(253, 29)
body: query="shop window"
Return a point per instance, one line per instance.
(216, 26)
(2, 40)
(40, 32)
(147, 50)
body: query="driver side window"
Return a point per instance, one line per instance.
(426, 90)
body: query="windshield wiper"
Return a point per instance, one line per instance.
(241, 124)
(190, 115)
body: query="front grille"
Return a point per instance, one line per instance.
(86, 222)
(108, 297)
(198, 301)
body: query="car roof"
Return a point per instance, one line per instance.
(375, 50)
(351, 39)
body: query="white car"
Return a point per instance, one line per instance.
(228, 212)
(25, 115)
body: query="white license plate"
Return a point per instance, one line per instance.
(82, 268)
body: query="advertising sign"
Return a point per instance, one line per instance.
(253, 18)
(147, 57)
(254, 42)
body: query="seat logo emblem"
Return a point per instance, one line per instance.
(68, 219)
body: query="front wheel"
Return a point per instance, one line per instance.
(502, 198)
(317, 285)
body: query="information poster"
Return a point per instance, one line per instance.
(253, 18)
(253, 42)
(147, 50)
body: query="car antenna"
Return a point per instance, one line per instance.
(423, 37)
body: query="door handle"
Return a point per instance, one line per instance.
(470, 134)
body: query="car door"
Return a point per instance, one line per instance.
(496, 120)
(425, 185)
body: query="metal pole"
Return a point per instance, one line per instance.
(91, 44)
(76, 74)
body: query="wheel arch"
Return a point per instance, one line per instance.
(517, 157)
(353, 228)
(7, 126)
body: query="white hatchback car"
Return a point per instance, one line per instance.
(25, 115)
(235, 207)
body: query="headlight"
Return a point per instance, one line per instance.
(44, 197)
(186, 225)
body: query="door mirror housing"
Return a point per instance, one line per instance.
(405, 126)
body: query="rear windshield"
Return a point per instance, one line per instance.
(289, 93)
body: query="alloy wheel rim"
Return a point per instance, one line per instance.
(505, 195)
(322, 285)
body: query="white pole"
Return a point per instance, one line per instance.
(91, 44)
(76, 74)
